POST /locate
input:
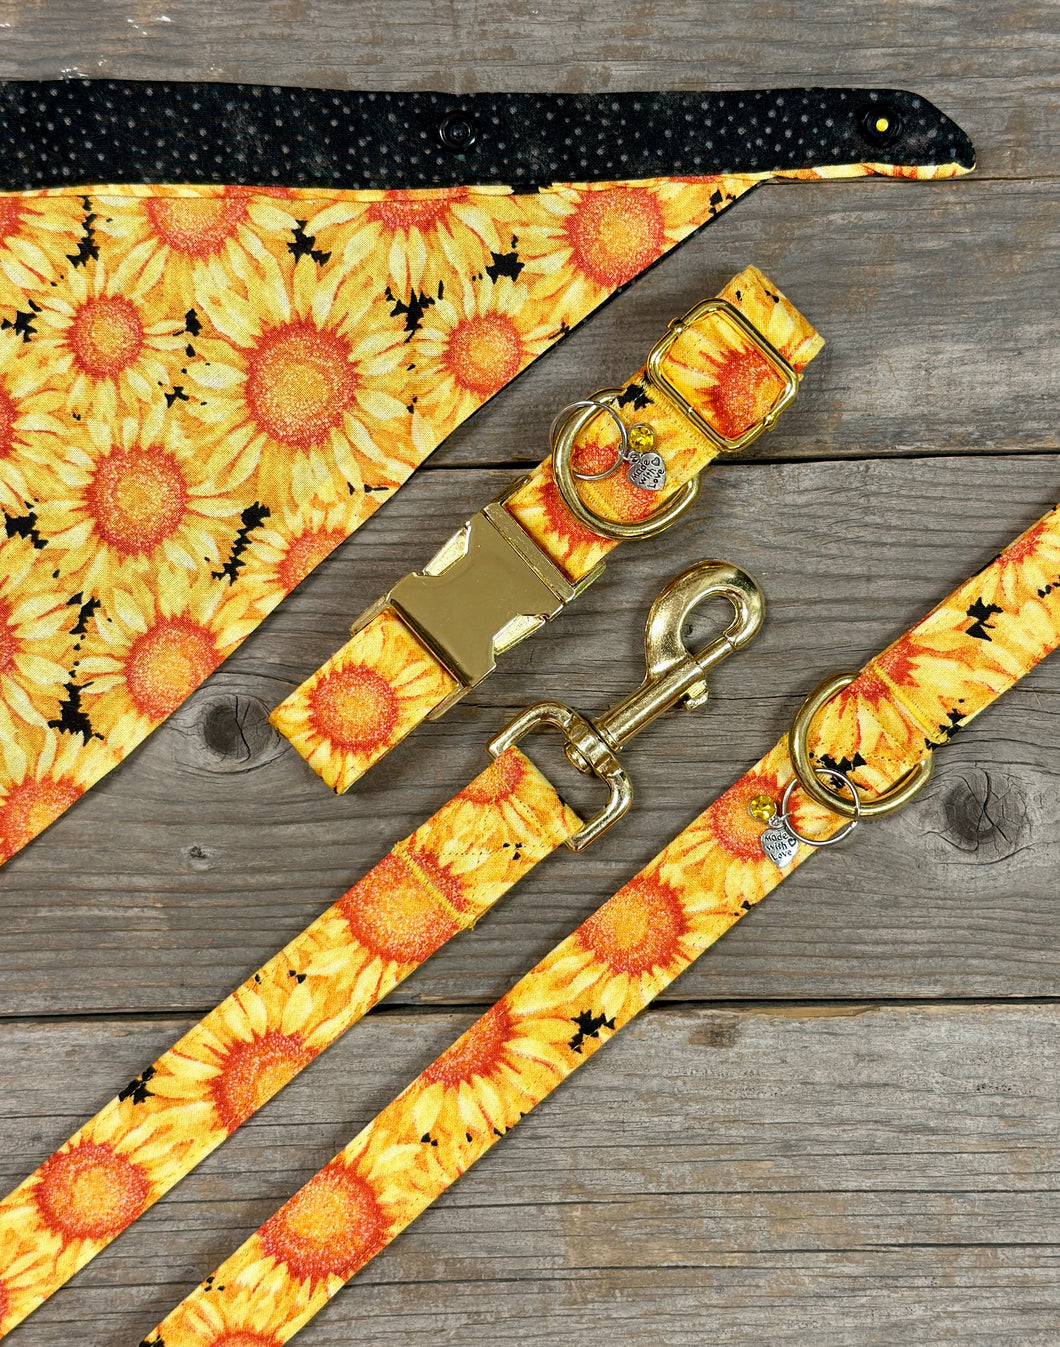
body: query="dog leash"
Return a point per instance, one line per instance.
(860, 746)
(436, 882)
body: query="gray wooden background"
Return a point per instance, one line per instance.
(841, 1126)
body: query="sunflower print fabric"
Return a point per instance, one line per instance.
(203, 391)
(383, 682)
(977, 643)
(438, 881)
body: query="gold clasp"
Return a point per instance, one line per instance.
(484, 591)
(673, 675)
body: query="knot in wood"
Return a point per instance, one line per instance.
(985, 814)
(235, 731)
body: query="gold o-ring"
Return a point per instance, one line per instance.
(563, 448)
(899, 794)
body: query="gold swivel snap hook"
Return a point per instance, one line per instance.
(673, 674)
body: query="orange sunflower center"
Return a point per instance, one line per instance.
(137, 498)
(393, 912)
(477, 1053)
(745, 388)
(106, 336)
(168, 662)
(329, 1228)
(484, 353)
(500, 779)
(9, 642)
(731, 823)
(196, 226)
(638, 930)
(252, 1073)
(90, 1192)
(616, 233)
(8, 417)
(399, 214)
(356, 709)
(300, 383)
(305, 552)
(29, 807)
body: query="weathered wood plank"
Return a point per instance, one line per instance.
(192, 863)
(993, 68)
(841, 1176)
(935, 299)
(883, 1177)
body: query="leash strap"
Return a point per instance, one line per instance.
(716, 380)
(440, 880)
(432, 884)
(913, 697)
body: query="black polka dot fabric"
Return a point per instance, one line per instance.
(115, 131)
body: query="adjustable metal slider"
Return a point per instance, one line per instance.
(484, 591)
(673, 675)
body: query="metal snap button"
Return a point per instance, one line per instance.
(881, 125)
(457, 131)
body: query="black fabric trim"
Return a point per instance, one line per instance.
(79, 132)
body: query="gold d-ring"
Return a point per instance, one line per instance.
(899, 794)
(562, 449)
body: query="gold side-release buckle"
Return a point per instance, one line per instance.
(674, 674)
(485, 590)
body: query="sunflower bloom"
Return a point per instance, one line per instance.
(363, 701)
(137, 498)
(104, 339)
(146, 651)
(189, 228)
(298, 382)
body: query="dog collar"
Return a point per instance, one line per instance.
(712, 384)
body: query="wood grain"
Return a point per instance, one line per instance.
(935, 300)
(207, 850)
(768, 1158)
(846, 1175)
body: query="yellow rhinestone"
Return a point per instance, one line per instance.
(762, 808)
(641, 436)
(882, 124)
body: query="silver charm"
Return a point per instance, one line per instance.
(781, 839)
(646, 470)
(779, 845)
(644, 467)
